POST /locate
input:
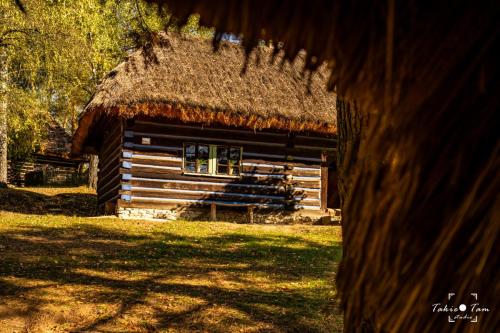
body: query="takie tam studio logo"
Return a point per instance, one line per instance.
(465, 311)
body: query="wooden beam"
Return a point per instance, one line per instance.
(208, 129)
(324, 180)
(131, 134)
(213, 212)
(250, 214)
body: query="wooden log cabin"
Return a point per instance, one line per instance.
(178, 127)
(50, 164)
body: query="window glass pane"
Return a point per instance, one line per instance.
(235, 155)
(203, 152)
(222, 169)
(222, 154)
(235, 170)
(234, 160)
(203, 167)
(190, 166)
(190, 152)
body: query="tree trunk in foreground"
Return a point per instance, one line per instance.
(93, 168)
(421, 216)
(350, 127)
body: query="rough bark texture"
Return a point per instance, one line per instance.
(3, 145)
(93, 171)
(421, 218)
(3, 121)
(350, 126)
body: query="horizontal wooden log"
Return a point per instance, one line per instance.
(151, 148)
(161, 167)
(245, 178)
(162, 138)
(281, 162)
(170, 126)
(263, 169)
(266, 136)
(175, 184)
(278, 176)
(280, 169)
(230, 192)
(160, 202)
(215, 127)
(151, 172)
(209, 181)
(250, 153)
(154, 163)
(276, 156)
(174, 141)
(175, 203)
(213, 182)
(296, 172)
(314, 178)
(152, 156)
(126, 174)
(191, 133)
(280, 191)
(192, 194)
(315, 141)
(129, 153)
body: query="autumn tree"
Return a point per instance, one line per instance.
(54, 54)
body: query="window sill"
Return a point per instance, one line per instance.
(210, 175)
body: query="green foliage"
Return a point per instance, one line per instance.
(27, 122)
(58, 51)
(192, 27)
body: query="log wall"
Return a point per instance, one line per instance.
(108, 183)
(278, 170)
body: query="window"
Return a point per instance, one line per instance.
(228, 160)
(196, 158)
(212, 159)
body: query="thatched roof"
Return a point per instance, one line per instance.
(181, 77)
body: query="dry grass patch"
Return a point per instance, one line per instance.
(60, 274)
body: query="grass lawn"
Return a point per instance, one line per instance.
(62, 273)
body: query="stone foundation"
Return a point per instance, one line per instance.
(146, 213)
(224, 214)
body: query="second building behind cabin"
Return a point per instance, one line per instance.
(178, 127)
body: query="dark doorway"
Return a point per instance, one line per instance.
(333, 198)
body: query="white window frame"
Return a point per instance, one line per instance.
(212, 160)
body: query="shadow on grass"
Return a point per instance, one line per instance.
(165, 264)
(29, 202)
